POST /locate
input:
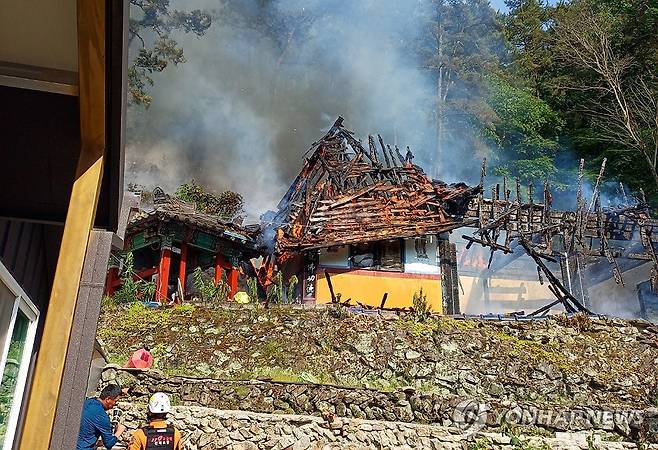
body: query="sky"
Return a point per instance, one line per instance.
(500, 4)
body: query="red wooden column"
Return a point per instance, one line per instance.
(182, 268)
(233, 281)
(111, 280)
(163, 275)
(219, 265)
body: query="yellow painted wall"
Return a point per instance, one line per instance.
(369, 288)
(512, 295)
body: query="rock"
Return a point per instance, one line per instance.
(621, 424)
(302, 444)
(449, 347)
(495, 390)
(363, 344)
(412, 354)
(552, 372)
(245, 446)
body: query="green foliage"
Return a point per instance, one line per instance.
(525, 135)
(208, 290)
(518, 443)
(275, 291)
(293, 281)
(252, 289)
(418, 329)
(421, 308)
(483, 443)
(133, 290)
(226, 205)
(459, 42)
(151, 24)
(336, 309)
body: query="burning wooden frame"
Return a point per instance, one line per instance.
(565, 237)
(347, 193)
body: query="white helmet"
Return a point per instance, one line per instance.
(159, 403)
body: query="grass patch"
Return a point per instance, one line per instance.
(286, 375)
(483, 443)
(418, 329)
(534, 352)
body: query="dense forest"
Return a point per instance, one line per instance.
(533, 89)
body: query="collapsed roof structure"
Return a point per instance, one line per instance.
(346, 193)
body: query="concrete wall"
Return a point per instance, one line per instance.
(611, 298)
(482, 295)
(369, 286)
(414, 264)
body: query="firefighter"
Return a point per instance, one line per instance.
(158, 435)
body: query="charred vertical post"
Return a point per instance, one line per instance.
(449, 277)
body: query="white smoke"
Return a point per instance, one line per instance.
(251, 99)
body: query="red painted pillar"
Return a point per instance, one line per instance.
(232, 281)
(219, 264)
(182, 268)
(163, 275)
(111, 280)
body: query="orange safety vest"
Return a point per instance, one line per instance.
(169, 438)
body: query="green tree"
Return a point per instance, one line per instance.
(152, 23)
(208, 290)
(610, 85)
(526, 30)
(133, 289)
(460, 44)
(227, 204)
(525, 135)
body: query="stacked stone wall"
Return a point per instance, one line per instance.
(210, 429)
(405, 405)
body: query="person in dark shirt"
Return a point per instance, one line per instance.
(95, 423)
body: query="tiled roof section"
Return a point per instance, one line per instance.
(169, 209)
(346, 193)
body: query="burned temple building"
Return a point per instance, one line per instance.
(361, 222)
(170, 239)
(372, 221)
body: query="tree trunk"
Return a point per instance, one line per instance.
(440, 98)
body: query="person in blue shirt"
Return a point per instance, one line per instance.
(95, 423)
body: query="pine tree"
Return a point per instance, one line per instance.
(527, 33)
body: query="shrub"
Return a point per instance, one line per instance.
(275, 292)
(252, 289)
(421, 309)
(208, 290)
(133, 290)
(292, 286)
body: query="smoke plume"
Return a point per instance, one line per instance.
(267, 80)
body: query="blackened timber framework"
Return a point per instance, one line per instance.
(565, 237)
(349, 192)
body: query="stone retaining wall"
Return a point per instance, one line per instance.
(209, 429)
(558, 361)
(405, 405)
